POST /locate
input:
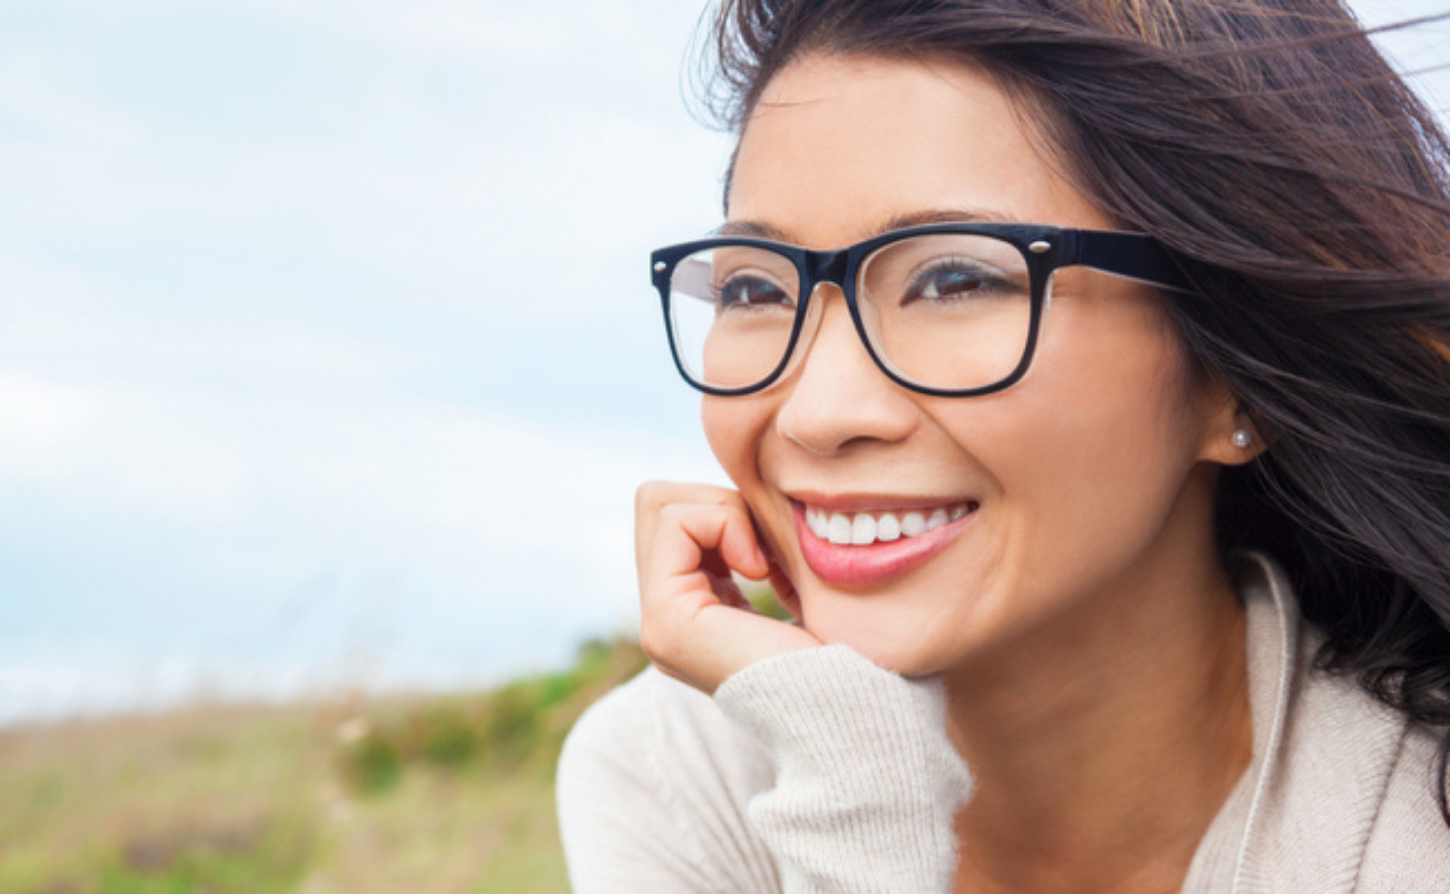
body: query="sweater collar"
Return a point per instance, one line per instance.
(1323, 750)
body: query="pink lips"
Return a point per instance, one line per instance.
(844, 565)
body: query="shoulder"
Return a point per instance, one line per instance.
(1409, 844)
(653, 787)
(1366, 793)
(1346, 795)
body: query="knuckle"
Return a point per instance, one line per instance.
(647, 495)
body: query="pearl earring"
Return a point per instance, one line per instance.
(1242, 439)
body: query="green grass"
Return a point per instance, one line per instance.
(442, 794)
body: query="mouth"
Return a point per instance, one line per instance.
(866, 547)
(866, 528)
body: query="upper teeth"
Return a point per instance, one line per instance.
(862, 528)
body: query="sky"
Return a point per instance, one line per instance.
(327, 352)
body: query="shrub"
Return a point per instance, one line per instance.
(447, 738)
(371, 765)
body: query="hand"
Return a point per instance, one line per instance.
(696, 626)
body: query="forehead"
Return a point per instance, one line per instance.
(839, 145)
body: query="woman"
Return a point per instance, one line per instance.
(1083, 373)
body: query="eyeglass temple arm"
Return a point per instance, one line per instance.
(1134, 255)
(692, 276)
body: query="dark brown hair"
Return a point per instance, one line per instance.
(1304, 189)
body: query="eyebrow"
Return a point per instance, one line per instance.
(755, 228)
(761, 230)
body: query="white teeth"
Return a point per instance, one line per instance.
(863, 529)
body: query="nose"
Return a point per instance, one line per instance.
(836, 395)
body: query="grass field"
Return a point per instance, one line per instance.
(442, 794)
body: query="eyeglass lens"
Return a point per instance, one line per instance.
(947, 311)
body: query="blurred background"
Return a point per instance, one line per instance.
(328, 353)
(328, 368)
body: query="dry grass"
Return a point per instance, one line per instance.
(258, 799)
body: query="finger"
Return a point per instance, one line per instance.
(720, 642)
(658, 493)
(716, 539)
(728, 592)
(785, 592)
(652, 497)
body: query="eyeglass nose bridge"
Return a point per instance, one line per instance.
(824, 268)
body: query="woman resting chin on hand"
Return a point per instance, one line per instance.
(697, 627)
(1083, 374)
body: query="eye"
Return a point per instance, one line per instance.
(957, 279)
(743, 291)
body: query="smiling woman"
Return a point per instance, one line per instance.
(1094, 468)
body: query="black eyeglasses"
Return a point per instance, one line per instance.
(951, 310)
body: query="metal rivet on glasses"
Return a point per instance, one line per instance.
(1038, 248)
(659, 266)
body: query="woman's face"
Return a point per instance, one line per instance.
(1076, 492)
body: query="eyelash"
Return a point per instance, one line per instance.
(985, 282)
(718, 292)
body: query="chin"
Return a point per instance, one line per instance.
(908, 649)
(904, 658)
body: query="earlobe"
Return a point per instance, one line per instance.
(1248, 444)
(1232, 436)
(1236, 441)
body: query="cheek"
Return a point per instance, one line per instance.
(1111, 375)
(734, 428)
(738, 430)
(1099, 440)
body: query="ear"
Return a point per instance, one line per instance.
(1227, 433)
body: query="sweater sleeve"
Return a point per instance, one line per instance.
(653, 789)
(867, 779)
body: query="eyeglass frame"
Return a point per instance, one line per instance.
(1045, 249)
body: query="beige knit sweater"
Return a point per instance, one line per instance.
(819, 772)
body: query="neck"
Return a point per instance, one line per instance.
(1103, 747)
